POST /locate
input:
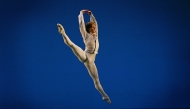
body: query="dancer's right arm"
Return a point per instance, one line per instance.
(81, 23)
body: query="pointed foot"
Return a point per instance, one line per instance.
(107, 99)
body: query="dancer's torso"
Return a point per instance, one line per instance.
(91, 44)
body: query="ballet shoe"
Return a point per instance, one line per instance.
(107, 99)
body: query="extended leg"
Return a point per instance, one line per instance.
(76, 50)
(91, 67)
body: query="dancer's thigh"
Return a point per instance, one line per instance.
(78, 52)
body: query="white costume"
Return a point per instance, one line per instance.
(91, 42)
(88, 56)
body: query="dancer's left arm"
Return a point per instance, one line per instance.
(93, 19)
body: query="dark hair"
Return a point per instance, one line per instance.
(89, 25)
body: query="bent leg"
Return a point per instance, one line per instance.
(76, 50)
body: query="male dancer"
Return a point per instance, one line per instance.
(90, 37)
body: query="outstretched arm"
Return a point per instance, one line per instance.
(81, 23)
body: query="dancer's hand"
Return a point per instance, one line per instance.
(61, 30)
(85, 10)
(89, 12)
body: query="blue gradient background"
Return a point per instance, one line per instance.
(143, 60)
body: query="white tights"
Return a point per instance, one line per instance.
(88, 60)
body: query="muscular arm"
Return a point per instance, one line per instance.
(82, 25)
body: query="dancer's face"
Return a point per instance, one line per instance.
(93, 29)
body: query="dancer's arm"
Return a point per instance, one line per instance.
(93, 19)
(81, 23)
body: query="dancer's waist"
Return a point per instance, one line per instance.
(92, 47)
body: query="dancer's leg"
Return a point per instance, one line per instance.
(76, 50)
(91, 67)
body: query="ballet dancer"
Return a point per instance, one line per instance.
(90, 37)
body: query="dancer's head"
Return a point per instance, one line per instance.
(91, 27)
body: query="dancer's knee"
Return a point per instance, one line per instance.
(97, 84)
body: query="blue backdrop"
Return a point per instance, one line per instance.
(143, 60)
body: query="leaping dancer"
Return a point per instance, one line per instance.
(90, 37)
